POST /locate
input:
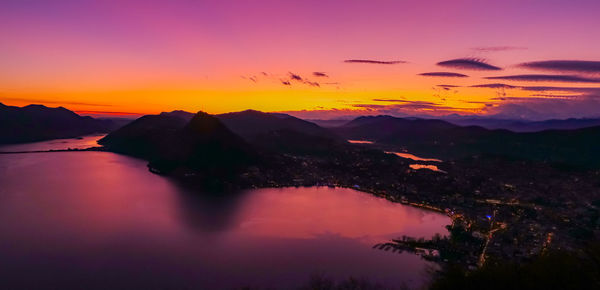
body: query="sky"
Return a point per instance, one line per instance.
(315, 59)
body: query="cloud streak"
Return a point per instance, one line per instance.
(369, 61)
(547, 78)
(468, 63)
(495, 86)
(577, 66)
(320, 74)
(444, 74)
(497, 48)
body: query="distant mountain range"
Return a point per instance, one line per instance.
(37, 123)
(175, 139)
(515, 125)
(525, 125)
(446, 140)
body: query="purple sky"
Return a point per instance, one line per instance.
(219, 56)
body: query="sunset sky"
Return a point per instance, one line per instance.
(318, 59)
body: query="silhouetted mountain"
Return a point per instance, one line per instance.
(205, 144)
(172, 142)
(281, 133)
(388, 127)
(146, 136)
(526, 126)
(36, 123)
(329, 123)
(250, 124)
(179, 114)
(442, 139)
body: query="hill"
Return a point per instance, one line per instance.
(249, 124)
(524, 125)
(171, 143)
(445, 140)
(37, 123)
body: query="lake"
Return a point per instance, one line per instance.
(101, 220)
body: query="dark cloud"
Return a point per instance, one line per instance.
(444, 74)
(448, 86)
(468, 63)
(554, 96)
(320, 74)
(409, 108)
(373, 61)
(407, 102)
(314, 84)
(494, 86)
(546, 108)
(497, 48)
(586, 90)
(295, 77)
(578, 66)
(579, 90)
(547, 78)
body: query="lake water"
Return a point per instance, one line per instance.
(56, 144)
(101, 220)
(413, 157)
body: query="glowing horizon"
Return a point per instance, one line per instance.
(316, 59)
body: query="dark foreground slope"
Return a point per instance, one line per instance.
(37, 123)
(445, 140)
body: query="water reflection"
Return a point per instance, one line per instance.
(210, 211)
(101, 220)
(56, 144)
(413, 157)
(360, 142)
(425, 166)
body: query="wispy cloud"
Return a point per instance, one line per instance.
(494, 86)
(547, 78)
(497, 48)
(294, 76)
(587, 90)
(468, 63)
(543, 108)
(444, 74)
(369, 61)
(577, 66)
(410, 108)
(42, 101)
(320, 74)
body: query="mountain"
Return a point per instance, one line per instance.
(249, 124)
(448, 141)
(174, 141)
(37, 122)
(146, 136)
(281, 133)
(525, 125)
(387, 127)
(329, 123)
